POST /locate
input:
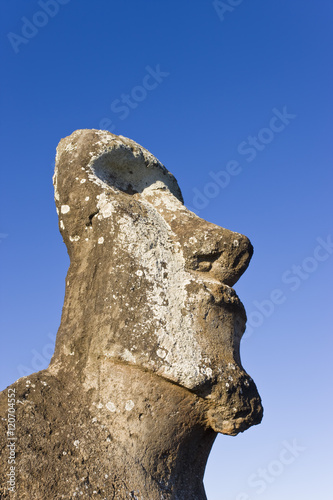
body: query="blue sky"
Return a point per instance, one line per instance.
(235, 98)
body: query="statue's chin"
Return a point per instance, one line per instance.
(221, 421)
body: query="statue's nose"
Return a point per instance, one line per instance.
(207, 248)
(223, 254)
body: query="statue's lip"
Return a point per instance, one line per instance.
(223, 294)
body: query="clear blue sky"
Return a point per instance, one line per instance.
(236, 101)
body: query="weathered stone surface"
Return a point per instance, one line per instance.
(146, 368)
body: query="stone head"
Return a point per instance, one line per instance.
(149, 282)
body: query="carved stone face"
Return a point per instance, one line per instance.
(149, 282)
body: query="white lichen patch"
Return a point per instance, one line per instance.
(151, 244)
(87, 198)
(105, 206)
(70, 147)
(161, 353)
(159, 195)
(55, 181)
(100, 240)
(62, 225)
(76, 443)
(129, 405)
(65, 209)
(82, 181)
(111, 407)
(207, 371)
(128, 356)
(74, 238)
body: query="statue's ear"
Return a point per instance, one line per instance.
(94, 171)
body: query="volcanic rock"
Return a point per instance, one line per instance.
(146, 368)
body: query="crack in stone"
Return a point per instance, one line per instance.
(91, 216)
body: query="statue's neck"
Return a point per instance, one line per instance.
(158, 438)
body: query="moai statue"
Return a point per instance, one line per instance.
(146, 369)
